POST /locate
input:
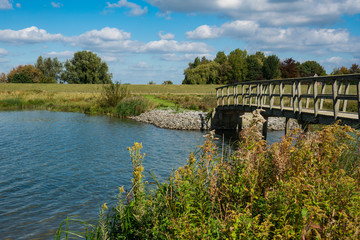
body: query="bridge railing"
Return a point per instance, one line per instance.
(339, 94)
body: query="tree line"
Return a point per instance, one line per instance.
(85, 67)
(238, 66)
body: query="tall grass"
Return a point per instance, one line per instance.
(305, 187)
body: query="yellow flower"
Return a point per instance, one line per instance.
(104, 207)
(121, 189)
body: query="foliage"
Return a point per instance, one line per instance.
(254, 68)
(204, 73)
(305, 187)
(289, 68)
(86, 67)
(168, 82)
(25, 74)
(271, 67)
(343, 70)
(239, 68)
(354, 68)
(310, 68)
(51, 69)
(3, 78)
(132, 106)
(112, 94)
(151, 83)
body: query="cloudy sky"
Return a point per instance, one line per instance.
(154, 40)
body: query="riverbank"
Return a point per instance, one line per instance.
(196, 120)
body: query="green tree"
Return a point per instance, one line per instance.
(254, 68)
(203, 74)
(51, 69)
(310, 68)
(354, 68)
(3, 78)
(261, 57)
(237, 60)
(25, 74)
(271, 67)
(167, 82)
(225, 68)
(86, 67)
(289, 69)
(195, 63)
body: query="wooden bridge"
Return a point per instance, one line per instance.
(313, 100)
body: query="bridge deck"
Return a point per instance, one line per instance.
(315, 100)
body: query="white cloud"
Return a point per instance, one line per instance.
(275, 38)
(267, 12)
(28, 35)
(141, 65)
(3, 52)
(63, 54)
(184, 57)
(56, 5)
(175, 46)
(167, 36)
(5, 4)
(135, 9)
(337, 60)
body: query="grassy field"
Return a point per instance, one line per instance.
(86, 98)
(96, 88)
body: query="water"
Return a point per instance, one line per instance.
(56, 164)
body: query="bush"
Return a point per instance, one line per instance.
(112, 94)
(305, 187)
(132, 106)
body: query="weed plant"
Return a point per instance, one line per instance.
(112, 94)
(307, 186)
(132, 106)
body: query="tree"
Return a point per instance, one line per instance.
(310, 68)
(271, 67)
(225, 68)
(3, 78)
(206, 73)
(340, 71)
(195, 63)
(167, 82)
(354, 68)
(289, 69)
(51, 69)
(86, 67)
(254, 68)
(237, 60)
(25, 74)
(221, 58)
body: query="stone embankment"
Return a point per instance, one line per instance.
(194, 120)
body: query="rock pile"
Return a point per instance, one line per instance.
(194, 120)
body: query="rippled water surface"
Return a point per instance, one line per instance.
(56, 164)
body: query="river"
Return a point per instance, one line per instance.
(55, 164)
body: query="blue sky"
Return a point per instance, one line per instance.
(154, 40)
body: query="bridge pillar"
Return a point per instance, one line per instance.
(265, 127)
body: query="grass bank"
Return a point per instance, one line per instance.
(305, 187)
(87, 98)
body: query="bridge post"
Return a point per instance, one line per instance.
(265, 127)
(287, 125)
(335, 99)
(316, 99)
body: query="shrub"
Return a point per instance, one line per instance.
(112, 94)
(132, 106)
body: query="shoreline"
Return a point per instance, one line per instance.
(194, 120)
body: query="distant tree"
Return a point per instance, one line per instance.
(204, 60)
(225, 68)
(151, 83)
(221, 58)
(51, 69)
(203, 74)
(168, 82)
(289, 69)
(195, 63)
(271, 67)
(261, 57)
(3, 78)
(237, 60)
(254, 68)
(354, 68)
(25, 74)
(310, 68)
(340, 71)
(87, 68)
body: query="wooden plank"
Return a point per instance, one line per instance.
(281, 90)
(323, 86)
(358, 100)
(293, 92)
(308, 93)
(347, 87)
(299, 97)
(335, 100)
(271, 98)
(316, 99)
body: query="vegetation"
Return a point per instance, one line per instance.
(50, 68)
(86, 67)
(25, 74)
(304, 187)
(132, 106)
